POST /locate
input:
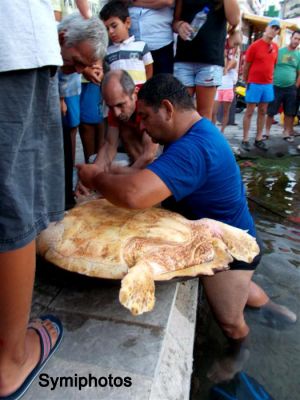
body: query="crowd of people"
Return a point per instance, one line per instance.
(53, 78)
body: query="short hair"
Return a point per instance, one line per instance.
(123, 77)
(165, 87)
(78, 29)
(296, 31)
(115, 8)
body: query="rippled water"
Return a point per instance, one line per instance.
(273, 189)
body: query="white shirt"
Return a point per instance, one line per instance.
(28, 35)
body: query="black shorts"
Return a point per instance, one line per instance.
(241, 265)
(287, 97)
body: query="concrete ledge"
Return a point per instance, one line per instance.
(102, 339)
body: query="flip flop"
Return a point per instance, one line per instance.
(47, 352)
(289, 139)
(265, 137)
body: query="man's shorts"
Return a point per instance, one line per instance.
(225, 95)
(241, 265)
(91, 103)
(72, 118)
(287, 97)
(259, 93)
(198, 74)
(31, 156)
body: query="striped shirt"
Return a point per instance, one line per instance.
(131, 56)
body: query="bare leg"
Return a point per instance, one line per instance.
(205, 97)
(257, 298)
(19, 347)
(215, 112)
(88, 135)
(73, 132)
(288, 126)
(247, 120)
(226, 109)
(261, 116)
(269, 122)
(227, 294)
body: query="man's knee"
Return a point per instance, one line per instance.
(234, 327)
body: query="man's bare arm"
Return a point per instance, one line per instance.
(246, 71)
(149, 152)
(136, 191)
(108, 151)
(152, 3)
(84, 8)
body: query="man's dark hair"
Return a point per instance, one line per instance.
(115, 8)
(124, 78)
(297, 31)
(165, 87)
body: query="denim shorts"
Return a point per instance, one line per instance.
(31, 156)
(198, 74)
(259, 93)
(91, 104)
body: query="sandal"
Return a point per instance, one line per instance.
(265, 137)
(47, 351)
(260, 144)
(289, 139)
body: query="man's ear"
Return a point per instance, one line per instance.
(128, 22)
(169, 108)
(61, 38)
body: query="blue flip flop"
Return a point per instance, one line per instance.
(47, 352)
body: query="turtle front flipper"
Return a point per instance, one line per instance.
(138, 289)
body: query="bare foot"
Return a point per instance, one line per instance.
(277, 313)
(15, 374)
(225, 369)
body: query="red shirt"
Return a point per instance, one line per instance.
(263, 57)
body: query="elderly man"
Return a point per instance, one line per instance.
(31, 170)
(258, 72)
(120, 95)
(190, 178)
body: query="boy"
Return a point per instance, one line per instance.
(125, 53)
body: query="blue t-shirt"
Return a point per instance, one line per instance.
(201, 172)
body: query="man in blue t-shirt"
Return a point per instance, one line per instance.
(196, 176)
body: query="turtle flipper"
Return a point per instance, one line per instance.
(240, 244)
(138, 289)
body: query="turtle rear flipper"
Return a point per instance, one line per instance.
(138, 289)
(239, 243)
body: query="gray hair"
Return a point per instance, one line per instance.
(123, 77)
(78, 29)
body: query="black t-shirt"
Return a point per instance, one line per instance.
(208, 46)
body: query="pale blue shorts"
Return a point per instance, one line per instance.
(259, 93)
(198, 74)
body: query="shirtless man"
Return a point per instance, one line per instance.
(120, 95)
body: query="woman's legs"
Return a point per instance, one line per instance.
(205, 97)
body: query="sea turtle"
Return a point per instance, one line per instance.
(99, 239)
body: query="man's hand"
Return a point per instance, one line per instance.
(94, 73)
(81, 190)
(87, 174)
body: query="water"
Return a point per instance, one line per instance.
(273, 189)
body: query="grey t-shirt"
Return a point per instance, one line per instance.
(28, 35)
